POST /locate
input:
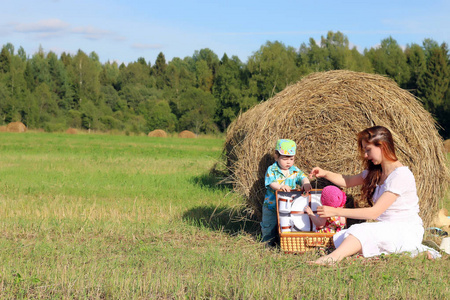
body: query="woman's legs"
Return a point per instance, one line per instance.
(351, 245)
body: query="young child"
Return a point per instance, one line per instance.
(331, 196)
(281, 175)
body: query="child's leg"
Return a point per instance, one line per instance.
(351, 245)
(268, 225)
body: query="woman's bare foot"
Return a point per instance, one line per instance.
(323, 261)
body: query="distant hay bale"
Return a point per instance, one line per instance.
(16, 127)
(157, 133)
(187, 134)
(3, 128)
(71, 131)
(447, 145)
(323, 113)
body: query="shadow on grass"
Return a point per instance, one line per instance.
(220, 218)
(211, 181)
(216, 178)
(225, 219)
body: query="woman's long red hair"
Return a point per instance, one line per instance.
(380, 137)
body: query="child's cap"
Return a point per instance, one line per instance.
(333, 196)
(286, 147)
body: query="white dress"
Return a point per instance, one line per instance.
(399, 228)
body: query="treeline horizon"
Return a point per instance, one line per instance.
(201, 93)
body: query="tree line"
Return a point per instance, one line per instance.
(202, 93)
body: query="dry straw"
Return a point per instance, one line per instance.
(16, 127)
(447, 145)
(157, 133)
(71, 131)
(323, 113)
(187, 134)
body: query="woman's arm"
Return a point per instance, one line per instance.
(367, 213)
(338, 179)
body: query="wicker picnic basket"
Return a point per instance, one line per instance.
(301, 241)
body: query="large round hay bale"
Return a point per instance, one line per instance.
(157, 133)
(71, 131)
(3, 128)
(323, 113)
(16, 127)
(187, 134)
(447, 145)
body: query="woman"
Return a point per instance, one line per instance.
(390, 189)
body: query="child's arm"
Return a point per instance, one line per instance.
(306, 185)
(318, 221)
(276, 186)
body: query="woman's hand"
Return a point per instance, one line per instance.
(326, 211)
(317, 172)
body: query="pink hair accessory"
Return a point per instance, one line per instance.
(333, 196)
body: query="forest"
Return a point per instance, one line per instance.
(201, 93)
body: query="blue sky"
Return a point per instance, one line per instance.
(123, 31)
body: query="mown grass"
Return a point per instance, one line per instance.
(116, 217)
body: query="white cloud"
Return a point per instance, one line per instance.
(91, 33)
(49, 25)
(51, 28)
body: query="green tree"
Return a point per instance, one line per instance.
(271, 69)
(197, 109)
(142, 61)
(211, 59)
(17, 82)
(444, 116)
(84, 73)
(5, 60)
(428, 46)
(135, 94)
(89, 115)
(158, 115)
(313, 58)
(10, 48)
(179, 76)
(415, 57)
(229, 92)
(111, 98)
(434, 83)
(46, 103)
(207, 55)
(66, 59)
(60, 83)
(159, 70)
(389, 59)
(37, 70)
(204, 76)
(359, 62)
(7, 109)
(337, 49)
(135, 73)
(22, 54)
(109, 74)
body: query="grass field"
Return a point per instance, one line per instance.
(117, 217)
